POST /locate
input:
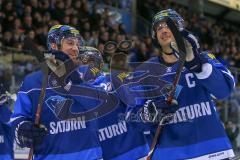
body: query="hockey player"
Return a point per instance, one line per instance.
(195, 132)
(55, 138)
(119, 138)
(6, 136)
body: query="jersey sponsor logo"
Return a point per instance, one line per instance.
(106, 86)
(1, 139)
(67, 125)
(57, 103)
(112, 131)
(210, 55)
(122, 76)
(193, 111)
(213, 59)
(94, 71)
(169, 69)
(217, 155)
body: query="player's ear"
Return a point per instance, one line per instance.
(54, 46)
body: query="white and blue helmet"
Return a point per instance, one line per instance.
(162, 16)
(91, 56)
(58, 32)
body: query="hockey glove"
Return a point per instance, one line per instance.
(155, 111)
(29, 135)
(56, 61)
(75, 77)
(4, 98)
(192, 40)
(63, 67)
(193, 61)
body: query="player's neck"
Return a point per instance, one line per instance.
(168, 56)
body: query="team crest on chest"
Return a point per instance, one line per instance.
(169, 69)
(56, 104)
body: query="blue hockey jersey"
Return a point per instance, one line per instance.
(73, 138)
(196, 131)
(120, 138)
(6, 136)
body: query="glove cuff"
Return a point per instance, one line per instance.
(194, 65)
(18, 137)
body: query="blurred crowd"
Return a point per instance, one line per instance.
(229, 113)
(24, 24)
(24, 20)
(222, 38)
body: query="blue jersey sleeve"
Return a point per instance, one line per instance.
(215, 77)
(23, 109)
(5, 114)
(6, 135)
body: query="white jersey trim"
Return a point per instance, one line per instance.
(36, 89)
(230, 75)
(216, 156)
(143, 158)
(206, 71)
(15, 118)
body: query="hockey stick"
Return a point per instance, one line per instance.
(45, 71)
(170, 98)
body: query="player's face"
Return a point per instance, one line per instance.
(164, 35)
(70, 46)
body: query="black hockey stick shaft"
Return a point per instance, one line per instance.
(154, 142)
(45, 71)
(182, 57)
(170, 99)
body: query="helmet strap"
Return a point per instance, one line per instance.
(167, 53)
(59, 46)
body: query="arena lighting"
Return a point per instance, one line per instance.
(233, 4)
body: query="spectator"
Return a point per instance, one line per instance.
(7, 39)
(27, 24)
(141, 54)
(58, 12)
(95, 17)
